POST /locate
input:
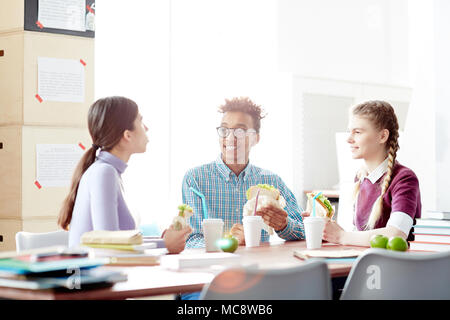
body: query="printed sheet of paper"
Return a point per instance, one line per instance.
(55, 163)
(63, 14)
(61, 80)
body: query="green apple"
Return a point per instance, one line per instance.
(397, 244)
(379, 241)
(228, 243)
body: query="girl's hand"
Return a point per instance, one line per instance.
(333, 232)
(305, 214)
(176, 240)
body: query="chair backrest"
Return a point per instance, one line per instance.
(29, 240)
(308, 281)
(386, 274)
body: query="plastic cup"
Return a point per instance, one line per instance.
(313, 231)
(252, 230)
(212, 231)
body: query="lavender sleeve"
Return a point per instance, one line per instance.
(104, 198)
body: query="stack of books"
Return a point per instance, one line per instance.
(432, 233)
(54, 268)
(126, 247)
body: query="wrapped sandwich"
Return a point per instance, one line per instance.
(267, 195)
(323, 206)
(182, 219)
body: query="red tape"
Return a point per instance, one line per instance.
(38, 184)
(82, 62)
(39, 98)
(89, 9)
(39, 24)
(81, 146)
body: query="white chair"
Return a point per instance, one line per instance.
(29, 240)
(385, 274)
(307, 281)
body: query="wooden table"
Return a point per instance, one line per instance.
(147, 281)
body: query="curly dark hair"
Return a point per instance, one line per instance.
(245, 105)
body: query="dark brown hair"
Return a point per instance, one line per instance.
(245, 105)
(382, 116)
(108, 118)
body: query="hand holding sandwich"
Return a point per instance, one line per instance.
(269, 205)
(175, 240)
(274, 217)
(175, 237)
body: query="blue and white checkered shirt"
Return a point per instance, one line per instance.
(226, 196)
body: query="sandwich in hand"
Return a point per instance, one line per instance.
(323, 206)
(181, 220)
(268, 195)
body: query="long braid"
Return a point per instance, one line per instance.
(383, 116)
(377, 208)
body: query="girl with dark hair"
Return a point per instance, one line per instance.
(95, 200)
(387, 194)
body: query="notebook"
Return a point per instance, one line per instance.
(328, 254)
(69, 281)
(122, 247)
(23, 267)
(180, 261)
(112, 237)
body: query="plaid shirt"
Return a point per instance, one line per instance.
(226, 196)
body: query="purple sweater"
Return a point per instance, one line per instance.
(100, 204)
(403, 194)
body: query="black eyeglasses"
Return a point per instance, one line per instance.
(239, 133)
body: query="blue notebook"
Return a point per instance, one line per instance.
(23, 267)
(70, 281)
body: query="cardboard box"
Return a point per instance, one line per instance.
(19, 81)
(12, 15)
(19, 196)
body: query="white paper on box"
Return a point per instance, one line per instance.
(61, 80)
(63, 14)
(55, 163)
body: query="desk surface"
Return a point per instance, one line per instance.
(148, 281)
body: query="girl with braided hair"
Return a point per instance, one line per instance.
(386, 195)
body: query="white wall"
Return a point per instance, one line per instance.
(132, 59)
(223, 49)
(357, 40)
(427, 127)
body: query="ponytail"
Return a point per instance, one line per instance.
(108, 118)
(65, 214)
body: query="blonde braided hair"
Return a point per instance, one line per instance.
(382, 115)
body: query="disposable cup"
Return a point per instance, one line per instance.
(313, 231)
(212, 231)
(252, 230)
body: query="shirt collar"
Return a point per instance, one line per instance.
(376, 174)
(117, 163)
(226, 172)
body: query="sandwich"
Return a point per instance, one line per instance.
(181, 220)
(323, 206)
(268, 195)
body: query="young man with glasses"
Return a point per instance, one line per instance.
(224, 182)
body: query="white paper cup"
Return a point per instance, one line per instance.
(212, 231)
(252, 230)
(313, 231)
